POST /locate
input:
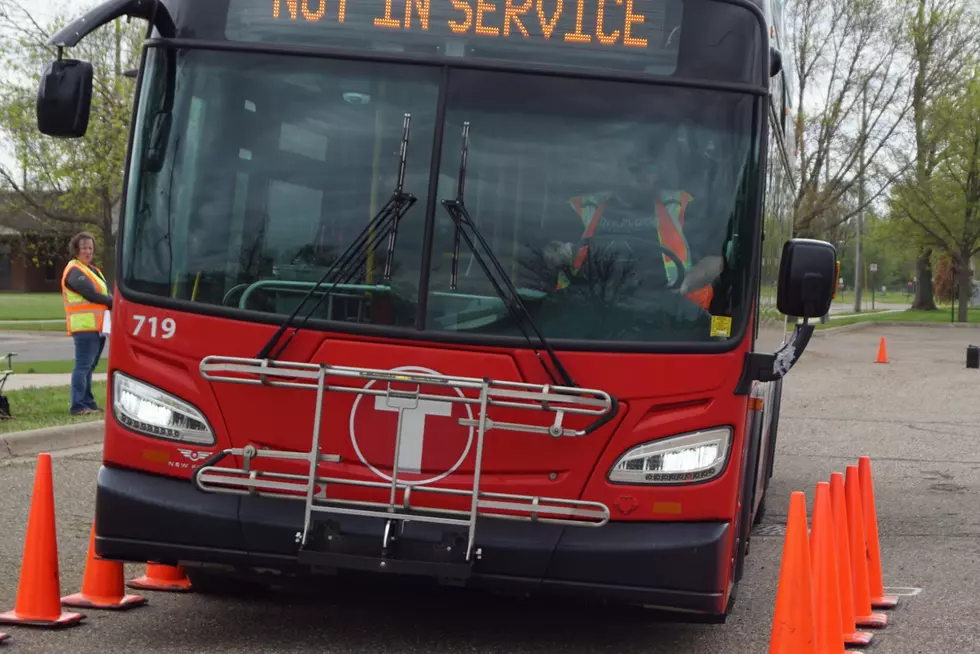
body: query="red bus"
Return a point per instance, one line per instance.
(465, 290)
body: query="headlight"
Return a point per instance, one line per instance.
(683, 459)
(153, 412)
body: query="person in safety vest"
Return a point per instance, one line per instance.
(86, 297)
(647, 209)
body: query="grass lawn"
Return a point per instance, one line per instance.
(34, 408)
(941, 315)
(891, 297)
(31, 306)
(49, 367)
(27, 326)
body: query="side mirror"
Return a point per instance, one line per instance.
(808, 273)
(64, 98)
(775, 61)
(807, 278)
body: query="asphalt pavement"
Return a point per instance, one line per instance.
(916, 416)
(37, 346)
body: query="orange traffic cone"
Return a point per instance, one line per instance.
(848, 623)
(882, 351)
(794, 628)
(38, 594)
(859, 554)
(162, 577)
(826, 582)
(102, 586)
(875, 579)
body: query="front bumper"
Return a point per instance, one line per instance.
(680, 566)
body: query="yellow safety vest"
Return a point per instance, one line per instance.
(80, 314)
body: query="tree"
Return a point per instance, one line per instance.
(946, 205)
(852, 99)
(945, 36)
(72, 181)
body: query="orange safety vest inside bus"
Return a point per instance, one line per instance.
(670, 230)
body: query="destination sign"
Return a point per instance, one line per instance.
(520, 30)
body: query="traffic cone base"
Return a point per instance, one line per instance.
(81, 600)
(164, 578)
(858, 638)
(65, 619)
(873, 621)
(102, 585)
(886, 602)
(147, 583)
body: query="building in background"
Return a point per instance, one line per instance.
(33, 252)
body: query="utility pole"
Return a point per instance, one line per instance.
(862, 143)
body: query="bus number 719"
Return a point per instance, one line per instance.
(168, 326)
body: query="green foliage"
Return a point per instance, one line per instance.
(944, 208)
(883, 243)
(69, 181)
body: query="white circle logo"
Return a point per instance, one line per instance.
(379, 426)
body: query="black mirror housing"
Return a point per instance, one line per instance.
(775, 61)
(807, 278)
(64, 98)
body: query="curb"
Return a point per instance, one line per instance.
(936, 325)
(829, 331)
(48, 439)
(885, 324)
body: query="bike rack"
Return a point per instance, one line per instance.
(479, 395)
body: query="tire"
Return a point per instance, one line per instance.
(770, 451)
(773, 431)
(222, 585)
(761, 511)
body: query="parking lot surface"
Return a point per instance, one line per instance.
(917, 417)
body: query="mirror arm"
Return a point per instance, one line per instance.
(770, 367)
(151, 10)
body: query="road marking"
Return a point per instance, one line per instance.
(902, 591)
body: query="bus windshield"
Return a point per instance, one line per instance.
(252, 172)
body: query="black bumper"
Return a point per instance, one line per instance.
(676, 566)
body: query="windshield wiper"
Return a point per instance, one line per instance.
(383, 224)
(510, 297)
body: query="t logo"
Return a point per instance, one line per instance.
(411, 423)
(375, 425)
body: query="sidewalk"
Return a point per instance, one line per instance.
(832, 316)
(18, 381)
(31, 322)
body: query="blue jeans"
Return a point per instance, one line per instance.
(88, 350)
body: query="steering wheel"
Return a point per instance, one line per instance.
(641, 249)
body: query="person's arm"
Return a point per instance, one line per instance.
(78, 282)
(706, 238)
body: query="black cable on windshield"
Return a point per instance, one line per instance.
(511, 297)
(383, 225)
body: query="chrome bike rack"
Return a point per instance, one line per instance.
(480, 395)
